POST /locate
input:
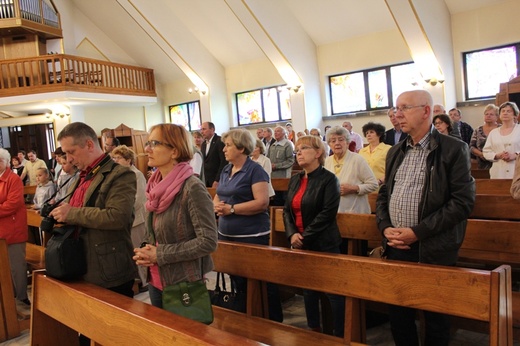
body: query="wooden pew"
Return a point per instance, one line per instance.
(29, 189)
(496, 207)
(11, 322)
(280, 184)
(480, 173)
(488, 243)
(62, 309)
(493, 186)
(480, 295)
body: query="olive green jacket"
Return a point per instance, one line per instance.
(106, 220)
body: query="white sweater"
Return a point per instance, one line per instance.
(357, 172)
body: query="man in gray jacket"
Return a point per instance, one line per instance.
(281, 154)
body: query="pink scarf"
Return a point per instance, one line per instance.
(160, 191)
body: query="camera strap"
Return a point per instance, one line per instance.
(59, 188)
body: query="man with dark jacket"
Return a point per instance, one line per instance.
(422, 208)
(212, 154)
(395, 134)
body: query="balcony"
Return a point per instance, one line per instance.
(29, 16)
(61, 72)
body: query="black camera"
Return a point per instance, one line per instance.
(48, 222)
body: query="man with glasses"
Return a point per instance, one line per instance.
(394, 135)
(423, 206)
(110, 144)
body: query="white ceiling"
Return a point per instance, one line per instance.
(216, 28)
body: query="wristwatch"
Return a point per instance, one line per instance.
(232, 210)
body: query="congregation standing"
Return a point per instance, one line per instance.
(425, 146)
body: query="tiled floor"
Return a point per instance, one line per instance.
(294, 314)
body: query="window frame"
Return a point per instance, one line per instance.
(465, 70)
(189, 116)
(279, 89)
(366, 72)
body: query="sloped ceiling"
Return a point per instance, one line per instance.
(216, 27)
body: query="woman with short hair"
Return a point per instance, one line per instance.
(478, 140)
(503, 143)
(443, 124)
(125, 156)
(375, 152)
(13, 225)
(310, 220)
(182, 232)
(354, 174)
(241, 204)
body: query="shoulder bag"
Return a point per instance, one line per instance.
(188, 299)
(65, 254)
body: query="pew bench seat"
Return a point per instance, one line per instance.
(35, 256)
(270, 332)
(61, 310)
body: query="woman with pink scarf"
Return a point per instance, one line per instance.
(182, 231)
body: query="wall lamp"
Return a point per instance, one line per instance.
(434, 81)
(62, 113)
(197, 90)
(295, 88)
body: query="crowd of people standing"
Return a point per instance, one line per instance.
(162, 230)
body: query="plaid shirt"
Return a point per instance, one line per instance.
(409, 184)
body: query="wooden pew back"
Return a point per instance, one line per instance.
(494, 207)
(62, 309)
(481, 295)
(493, 186)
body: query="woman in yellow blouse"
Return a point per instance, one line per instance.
(376, 150)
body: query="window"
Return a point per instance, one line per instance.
(485, 69)
(263, 105)
(371, 89)
(187, 115)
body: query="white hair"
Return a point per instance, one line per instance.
(4, 154)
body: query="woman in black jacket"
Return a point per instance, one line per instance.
(310, 220)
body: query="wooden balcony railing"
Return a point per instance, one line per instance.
(30, 14)
(61, 72)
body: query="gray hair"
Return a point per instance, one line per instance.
(260, 145)
(4, 154)
(242, 139)
(337, 131)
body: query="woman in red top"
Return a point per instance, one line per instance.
(13, 224)
(310, 220)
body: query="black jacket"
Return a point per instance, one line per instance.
(447, 200)
(214, 161)
(320, 204)
(390, 136)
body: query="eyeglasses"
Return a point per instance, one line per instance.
(302, 148)
(406, 108)
(437, 123)
(153, 143)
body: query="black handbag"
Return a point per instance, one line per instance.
(232, 299)
(65, 254)
(189, 299)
